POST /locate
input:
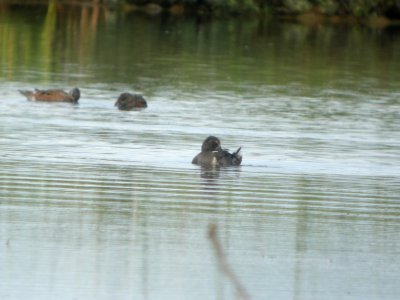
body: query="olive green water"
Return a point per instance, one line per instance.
(101, 204)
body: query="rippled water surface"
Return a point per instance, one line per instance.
(96, 203)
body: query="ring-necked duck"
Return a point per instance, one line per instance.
(53, 95)
(213, 155)
(128, 101)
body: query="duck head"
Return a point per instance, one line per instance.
(75, 94)
(211, 143)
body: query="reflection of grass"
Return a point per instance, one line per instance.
(30, 38)
(46, 39)
(223, 263)
(132, 49)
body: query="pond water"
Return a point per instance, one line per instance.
(96, 203)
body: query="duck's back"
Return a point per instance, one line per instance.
(49, 95)
(52, 95)
(229, 159)
(128, 101)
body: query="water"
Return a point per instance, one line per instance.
(96, 203)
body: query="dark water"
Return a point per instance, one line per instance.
(101, 204)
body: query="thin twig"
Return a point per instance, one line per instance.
(223, 263)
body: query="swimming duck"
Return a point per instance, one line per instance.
(213, 155)
(52, 95)
(128, 101)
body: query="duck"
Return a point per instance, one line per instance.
(213, 155)
(128, 101)
(52, 95)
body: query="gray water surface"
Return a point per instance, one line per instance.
(96, 203)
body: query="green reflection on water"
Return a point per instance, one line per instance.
(273, 222)
(93, 44)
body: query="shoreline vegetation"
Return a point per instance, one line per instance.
(379, 13)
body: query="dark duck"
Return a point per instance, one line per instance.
(212, 155)
(128, 101)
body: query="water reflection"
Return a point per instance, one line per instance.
(213, 173)
(64, 42)
(210, 173)
(96, 203)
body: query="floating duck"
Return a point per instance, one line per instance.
(213, 155)
(128, 101)
(52, 95)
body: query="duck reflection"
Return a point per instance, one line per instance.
(211, 174)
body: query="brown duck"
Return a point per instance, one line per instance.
(128, 101)
(53, 95)
(212, 155)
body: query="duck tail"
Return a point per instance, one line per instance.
(27, 94)
(237, 157)
(237, 151)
